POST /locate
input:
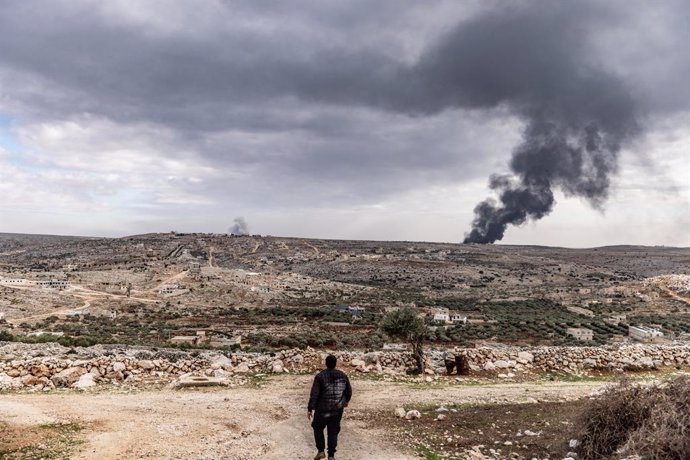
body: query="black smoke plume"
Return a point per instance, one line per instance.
(239, 227)
(535, 60)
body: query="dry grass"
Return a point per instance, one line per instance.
(652, 422)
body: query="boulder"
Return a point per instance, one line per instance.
(221, 362)
(115, 376)
(85, 381)
(119, 367)
(242, 368)
(14, 373)
(371, 358)
(146, 365)
(277, 367)
(501, 364)
(589, 363)
(412, 414)
(220, 373)
(68, 376)
(647, 362)
(9, 382)
(400, 412)
(358, 363)
(40, 370)
(32, 380)
(525, 357)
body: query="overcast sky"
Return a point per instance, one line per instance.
(358, 120)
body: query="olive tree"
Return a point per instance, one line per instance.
(405, 325)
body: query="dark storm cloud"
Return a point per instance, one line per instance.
(368, 98)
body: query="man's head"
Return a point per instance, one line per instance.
(330, 361)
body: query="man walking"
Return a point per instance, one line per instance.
(330, 393)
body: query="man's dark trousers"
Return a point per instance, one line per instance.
(331, 421)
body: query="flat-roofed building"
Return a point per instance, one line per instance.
(458, 318)
(580, 333)
(645, 334)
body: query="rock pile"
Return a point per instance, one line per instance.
(48, 366)
(574, 360)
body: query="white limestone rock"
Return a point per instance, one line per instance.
(413, 414)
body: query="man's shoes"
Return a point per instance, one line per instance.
(320, 456)
(331, 458)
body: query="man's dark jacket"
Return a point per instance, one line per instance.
(330, 392)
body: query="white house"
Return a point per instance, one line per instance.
(171, 289)
(53, 284)
(458, 318)
(615, 319)
(645, 334)
(15, 282)
(580, 333)
(261, 288)
(441, 317)
(194, 267)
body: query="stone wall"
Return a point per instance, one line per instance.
(49, 366)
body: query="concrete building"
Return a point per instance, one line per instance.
(441, 315)
(15, 282)
(615, 319)
(194, 268)
(645, 334)
(188, 339)
(580, 333)
(40, 333)
(171, 289)
(53, 284)
(261, 288)
(458, 318)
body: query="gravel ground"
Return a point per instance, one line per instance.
(267, 421)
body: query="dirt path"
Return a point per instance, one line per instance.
(314, 248)
(246, 423)
(674, 294)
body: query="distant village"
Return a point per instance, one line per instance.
(225, 291)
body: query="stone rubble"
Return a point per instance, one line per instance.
(49, 366)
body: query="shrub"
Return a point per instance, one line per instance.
(6, 336)
(651, 422)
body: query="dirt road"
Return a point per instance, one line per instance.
(267, 422)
